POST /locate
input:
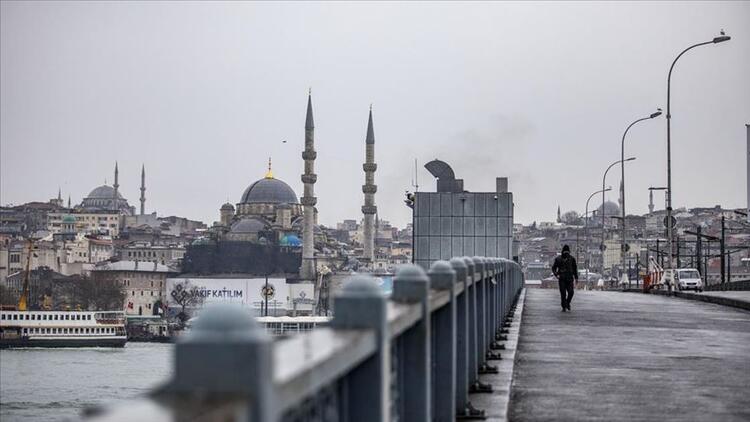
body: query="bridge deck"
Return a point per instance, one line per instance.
(631, 356)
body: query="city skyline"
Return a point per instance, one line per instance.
(203, 106)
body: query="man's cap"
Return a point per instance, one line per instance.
(566, 248)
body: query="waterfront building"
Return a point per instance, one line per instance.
(145, 252)
(143, 282)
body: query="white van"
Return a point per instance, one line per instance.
(689, 279)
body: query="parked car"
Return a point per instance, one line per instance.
(688, 279)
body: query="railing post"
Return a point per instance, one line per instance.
(494, 304)
(472, 296)
(240, 356)
(362, 305)
(463, 406)
(443, 278)
(480, 272)
(411, 285)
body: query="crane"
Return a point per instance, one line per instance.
(23, 301)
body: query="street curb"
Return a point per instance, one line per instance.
(497, 404)
(735, 303)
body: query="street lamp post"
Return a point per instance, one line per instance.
(622, 170)
(604, 214)
(586, 227)
(670, 245)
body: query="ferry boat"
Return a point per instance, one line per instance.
(62, 329)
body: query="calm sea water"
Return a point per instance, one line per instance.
(56, 384)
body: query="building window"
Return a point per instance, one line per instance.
(2, 316)
(132, 293)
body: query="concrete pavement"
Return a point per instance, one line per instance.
(625, 356)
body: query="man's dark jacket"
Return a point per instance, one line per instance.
(565, 267)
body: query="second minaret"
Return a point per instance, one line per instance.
(369, 188)
(307, 272)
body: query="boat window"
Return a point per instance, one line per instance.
(25, 330)
(33, 316)
(67, 316)
(54, 330)
(15, 317)
(56, 316)
(2, 316)
(27, 317)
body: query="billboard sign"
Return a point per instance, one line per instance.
(253, 293)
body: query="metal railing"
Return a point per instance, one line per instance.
(413, 357)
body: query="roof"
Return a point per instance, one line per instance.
(148, 267)
(103, 192)
(269, 191)
(247, 225)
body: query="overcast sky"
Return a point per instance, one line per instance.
(203, 93)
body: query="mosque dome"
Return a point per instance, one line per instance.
(103, 192)
(610, 208)
(68, 219)
(269, 191)
(227, 207)
(290, 240)
(247, 226)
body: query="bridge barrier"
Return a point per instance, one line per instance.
(731, 285)
(414, 357)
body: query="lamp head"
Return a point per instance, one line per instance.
(656, 114)
(630, 159)
(722, 37)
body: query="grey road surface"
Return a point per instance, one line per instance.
(630, 356)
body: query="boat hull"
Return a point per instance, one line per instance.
(7, 343)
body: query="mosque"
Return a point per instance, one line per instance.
(106, 198)
(269, 212)
(273, 231)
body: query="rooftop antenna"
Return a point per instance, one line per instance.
(415, 179)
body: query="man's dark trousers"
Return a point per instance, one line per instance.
(566, 291)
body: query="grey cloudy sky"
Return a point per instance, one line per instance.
(203, 93)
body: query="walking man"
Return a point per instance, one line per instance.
(566, 271)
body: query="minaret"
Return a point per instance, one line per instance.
(68, 201)
(307, 272)
(59, 195)
(143, 189)
(650, 201)
(117, 187)
(369, 188)
(559, 217)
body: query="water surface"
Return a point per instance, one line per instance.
(56, 384)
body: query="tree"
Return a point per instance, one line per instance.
(187, 295)
(90, 294)
(572, 218)
(7, 296)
